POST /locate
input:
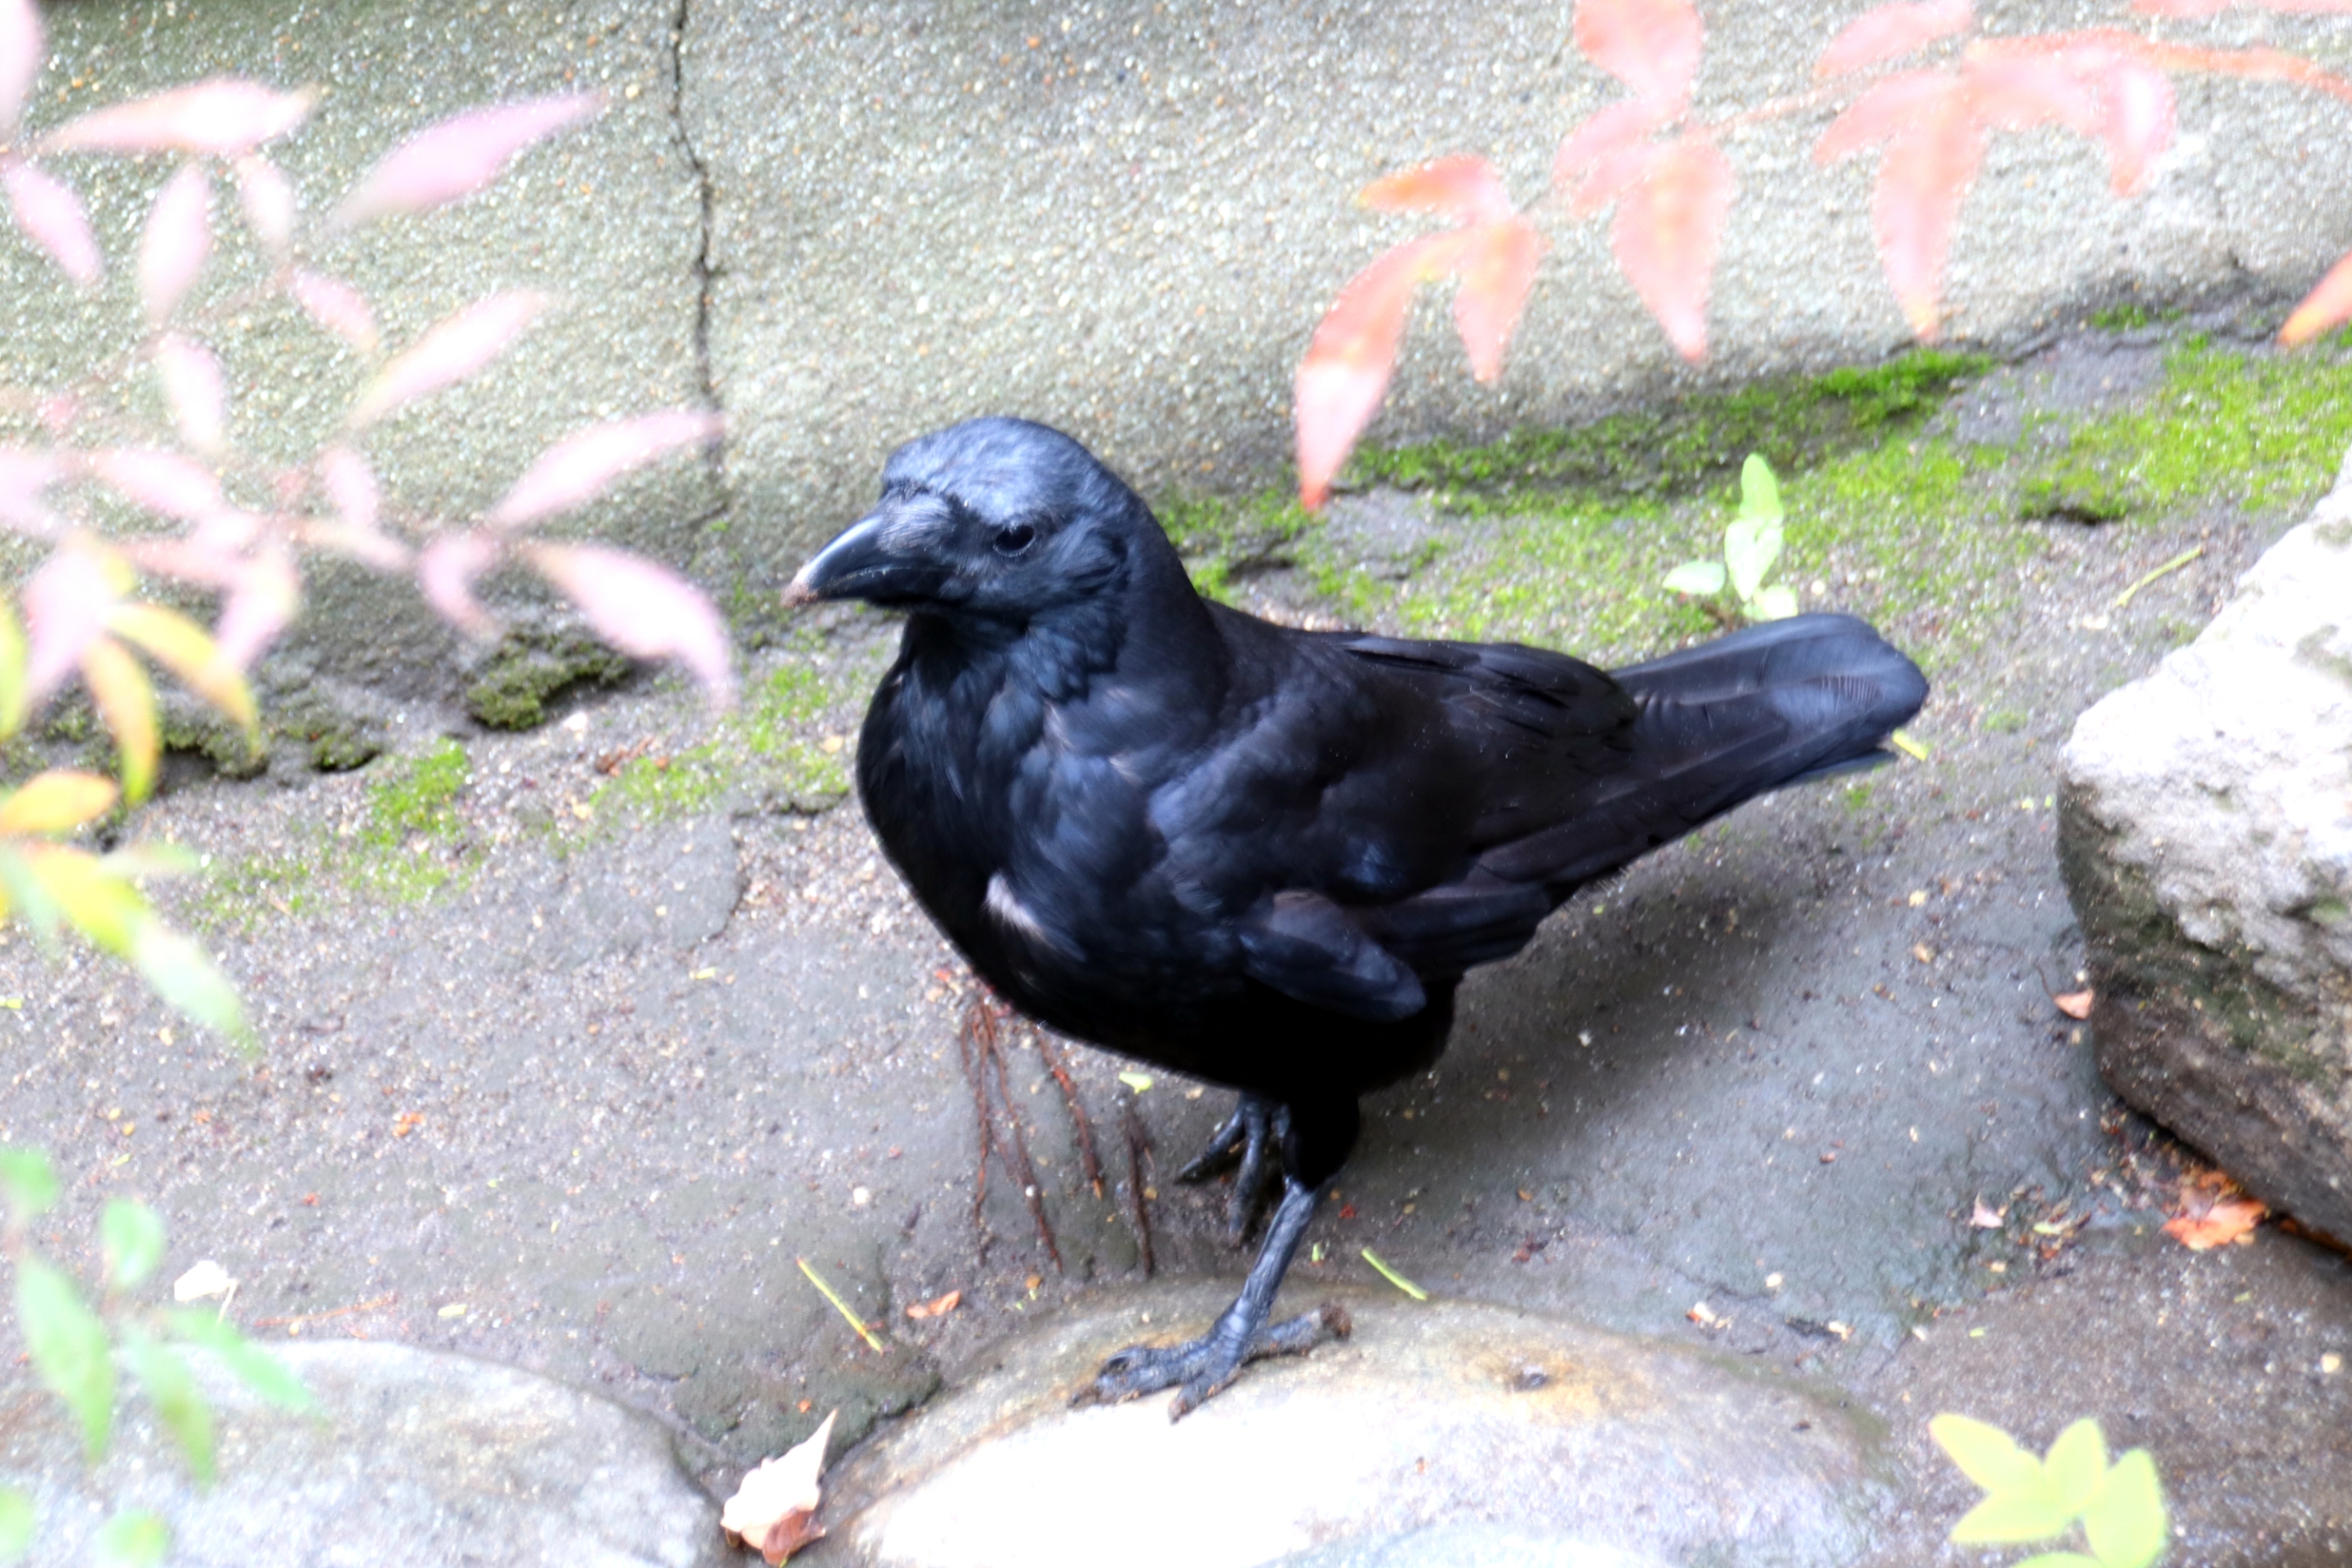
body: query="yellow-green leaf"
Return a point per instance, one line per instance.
(188, 651)
(2076, 1464)
(15, 1524)
(12, 671)
(56, 801)
(135, 1540)
(134, 1242)
(69, 1348)
(25, 895)
(2058, 1560)
(2126, 1520)
(172, 1389)
(185, 976)
(30, 1182)
(1985, 1453)
(105, 909)
(126, 700)
(2012, 1516)
(261, 1372)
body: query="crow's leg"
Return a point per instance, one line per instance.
(1314, 1139)
(1251, 1137)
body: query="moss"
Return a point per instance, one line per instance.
(2257, 429)
(1697, 442)
(1222, 540)
(403, 848)
(532, 665)
(2003, 721)
(185, 726)
(765, 752)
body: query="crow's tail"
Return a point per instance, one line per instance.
(1723, 723)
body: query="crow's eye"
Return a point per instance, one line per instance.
(1014, 538)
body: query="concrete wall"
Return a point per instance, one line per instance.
(846, 225)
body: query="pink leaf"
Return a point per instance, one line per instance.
(1496, 272)
(1667, 232)
(446, 573)
(192, 385)
(268, 199)
(368, 547)
(1650, 46)
(225, 117)
(21, 51)
(23, 477)
(2328, 305)
(175, 242)
(2181, 7)
(337, 306)
(160, 481)
(262, 598)
(642, 608)
(2139, 122)
(1465, 189)
(1348, 360)
(459, 156)
(1608, 134)
(50, 215)
(67, 602)
(1886, 108)
(453, 350)
(2016, 90)
(352, 487)
(1877, 37)
(1613, 174)
(581, 464)
(213, 554)
(1926, 175)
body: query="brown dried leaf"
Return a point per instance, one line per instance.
(774, 1510)
(2076, 1003)
(2227, 1220)
(1984, 1216)
(938, 1308)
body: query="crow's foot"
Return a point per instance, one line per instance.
(1252, 1139)
(1201, 1369)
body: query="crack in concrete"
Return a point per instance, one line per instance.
(704, 276)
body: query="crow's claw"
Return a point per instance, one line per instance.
(1201, 1369)
(1252, 1139)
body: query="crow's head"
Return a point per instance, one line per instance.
(994, 518)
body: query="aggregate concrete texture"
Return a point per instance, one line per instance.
(843, 226)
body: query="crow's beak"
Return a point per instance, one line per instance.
(871, 560)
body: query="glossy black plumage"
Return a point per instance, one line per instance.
(1260, 856)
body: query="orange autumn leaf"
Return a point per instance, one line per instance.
(2328, 305)
(1650, 46)
(1880, 36)
(1462, 187)
(2227, 1220)
(1667, 231)
(939, 1307)
(1497, 273)
(1347, 363)
(2076, 1003)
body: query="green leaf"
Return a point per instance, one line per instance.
(1700, 577)
(1751, 546)
(12, 671)
(2013, 1515)
(2057, 1559)
(27, 897)
(15, 1524)
(261, 1372)
(134, 1242)
(1777, 602)
(2126, 1518)
(1759, 491)
(27, 1178)
(171, 1388)
(2076, 1464)
(187, 980)
(69, 1347)
(1985, 1453)
(134, 1540)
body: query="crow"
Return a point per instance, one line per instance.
(1263, 857)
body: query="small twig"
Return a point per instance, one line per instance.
(1138, 1144)
(299, 1318)
(1393, 1277)
(980, 1039)
(1023, 1172)
(2175, 564)
(1055, 1063)
(978, 1021)
(842, 1307)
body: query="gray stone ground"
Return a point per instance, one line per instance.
(583, 1112)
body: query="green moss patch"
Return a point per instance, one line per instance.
(768, 754)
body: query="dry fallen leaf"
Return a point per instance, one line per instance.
(2226, 1220)
(1986, 1218)
(774, 1510)
(938, 1308)
(1707, 1317)
(206, 1278)
(2077, 1005)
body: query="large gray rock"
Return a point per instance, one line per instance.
(1449, 1433)
(420, 1458)
(2205, 838)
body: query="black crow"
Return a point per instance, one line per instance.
(1262, 856)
